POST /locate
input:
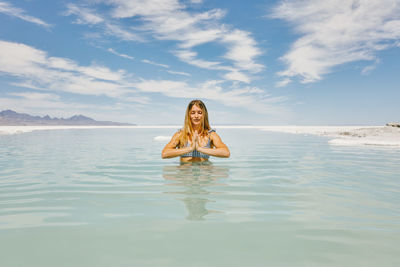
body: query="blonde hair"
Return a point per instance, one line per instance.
(187, 129)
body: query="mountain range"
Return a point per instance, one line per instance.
(12, 118)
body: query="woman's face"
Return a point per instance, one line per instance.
(196, 115)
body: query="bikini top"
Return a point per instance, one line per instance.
(197, 154)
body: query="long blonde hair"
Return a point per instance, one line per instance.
(187, 129)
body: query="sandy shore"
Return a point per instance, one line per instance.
(378, 136)
(348, 135)
(341, 135)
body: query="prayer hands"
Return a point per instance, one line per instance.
(195, 141)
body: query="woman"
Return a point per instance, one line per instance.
(196, 141)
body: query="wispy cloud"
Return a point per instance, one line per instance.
(154, 63)
(9, 9)
(242, 49)
(249, 98)
(121, 33)
(237, 76)
(84, 15)
(36, 96)
(368, 69)
(178, 72)
(336, 32)
(283, 82)
(34, 69)
(170, 20)
(28, 102)
(166, 67)
(191, 58)
(119, 54)
(88, 16)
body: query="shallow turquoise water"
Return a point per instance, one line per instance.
(104, 197)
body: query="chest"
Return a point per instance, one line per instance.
(203, 141)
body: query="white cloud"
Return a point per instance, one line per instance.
(34, 69)
(170, 20)
(131, 8)
(165, 66)
(368, 69)
(36, 96)
(119, 54)
(84, 15)
(102, 73)
(195, 29)
(191, 39)
(166, 87)
(178, 72)
(28, 101)
(283, 83)
(9, 9)
(88, 16)
(136, 99)
(38, 71)
(237, 76)
(337, 32)
(53, 62)
(242, 50)
(119, 32)
(190, 57)
(154, 63)
(250, 98)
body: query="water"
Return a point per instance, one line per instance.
(104, 197)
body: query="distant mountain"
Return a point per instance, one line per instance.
(10, 117)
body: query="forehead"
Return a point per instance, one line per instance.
(195, 107)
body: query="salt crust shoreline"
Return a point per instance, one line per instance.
(341, 135)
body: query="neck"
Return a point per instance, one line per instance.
(196, 127)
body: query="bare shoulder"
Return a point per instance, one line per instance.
(175, 139)
(177, 135)
(216, 140)
(213, 135)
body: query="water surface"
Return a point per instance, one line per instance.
(104, 197)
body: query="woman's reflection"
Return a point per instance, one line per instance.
(196, 178)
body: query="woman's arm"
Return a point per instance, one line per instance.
(220, 150)
(170, 150)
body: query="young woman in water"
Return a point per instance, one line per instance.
(196, 141)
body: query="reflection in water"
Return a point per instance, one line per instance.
(196, 178)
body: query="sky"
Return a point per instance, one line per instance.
(259, 62)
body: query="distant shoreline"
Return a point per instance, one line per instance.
(12, 118)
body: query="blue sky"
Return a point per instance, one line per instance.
(260, 62)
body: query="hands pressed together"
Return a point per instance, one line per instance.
(195, 142)
(219, 148)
